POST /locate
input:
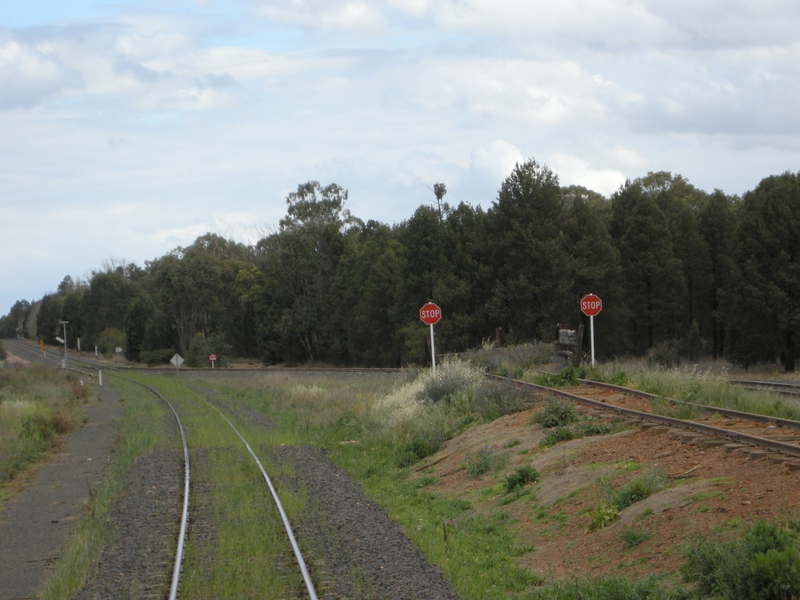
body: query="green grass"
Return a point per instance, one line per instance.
(140, 432)
(632, 537)
(707, 388)
(36, 405)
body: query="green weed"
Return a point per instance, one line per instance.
(483, 461)
(763, 564)
(631, 537)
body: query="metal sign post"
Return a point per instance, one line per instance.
(590, 306)
(431, 314)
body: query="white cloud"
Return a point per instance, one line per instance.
(29, 76)
(498, 157)
(361, 16)
(572, 170)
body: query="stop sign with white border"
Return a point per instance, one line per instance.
(430, 314)
(591, 305)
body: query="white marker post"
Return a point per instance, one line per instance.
(590, 306)
(430, 314)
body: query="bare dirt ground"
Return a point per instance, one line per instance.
(13, 359)
(707, 490)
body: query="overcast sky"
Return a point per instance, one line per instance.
(128, 128)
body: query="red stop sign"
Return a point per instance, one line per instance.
(591, 305)
(430, 314)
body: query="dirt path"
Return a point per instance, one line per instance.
(36, 523)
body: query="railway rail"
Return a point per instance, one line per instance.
(176, 573)
(778, 387)
(740, 429)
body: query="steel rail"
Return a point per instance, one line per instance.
(286, 525)
(783, 447)
(176, 570)
(728, 412)
(777, 387)
(706, 408)
(179, 553)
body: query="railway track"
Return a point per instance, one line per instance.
(81, 366)
(749, 433)
(778, 387)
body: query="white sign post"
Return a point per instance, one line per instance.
(430, 314)
(590, 306)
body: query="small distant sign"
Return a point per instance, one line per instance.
(176, 360)
(118, 350)
(212, 357)
(59, 340)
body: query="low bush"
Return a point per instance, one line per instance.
(451, 377)
(510, 359)
(495, 399)
(156, 357)
(556, 413)
(522, 476)
(619, 378)
(483, 461)
(602, 515)
(576, 431)
(763, 564)
(422, 445)
(637, 489)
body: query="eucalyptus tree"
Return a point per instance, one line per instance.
(298, 262)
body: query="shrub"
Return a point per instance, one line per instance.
(156, 357)
(495, 399)
(422, 445)
(510, 359)
(602, 515)
(619, 378)
(763, 564)
(451, 377)
(638, 489)
(663, 355)
(481, 462)
(520, 477)
(111, 339)
(556, 413)
(197, 355)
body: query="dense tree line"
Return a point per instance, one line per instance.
(679, 270)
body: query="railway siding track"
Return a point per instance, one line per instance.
(298, 559)
(739, 431)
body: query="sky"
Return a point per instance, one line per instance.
(128, 128)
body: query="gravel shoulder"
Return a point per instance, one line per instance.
(356, 549)
(37, 521)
